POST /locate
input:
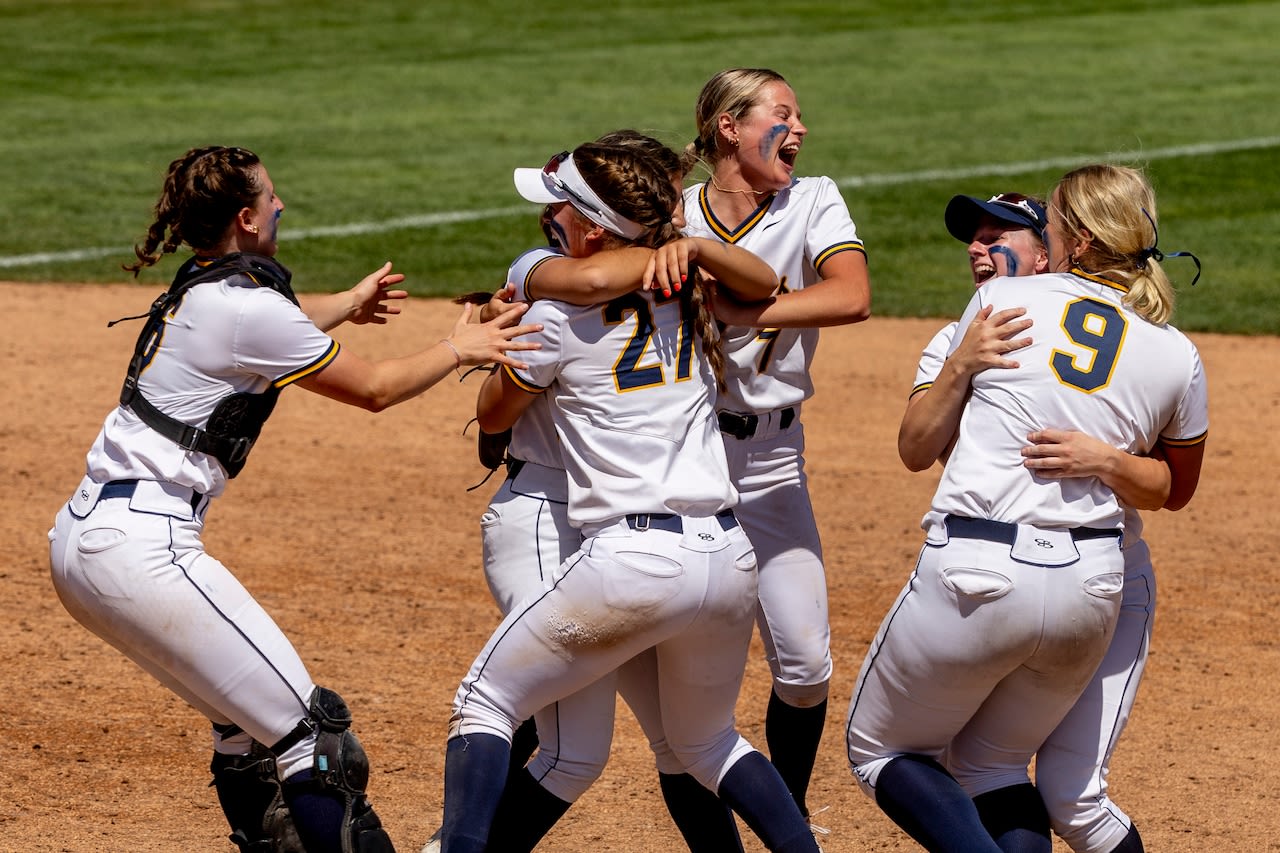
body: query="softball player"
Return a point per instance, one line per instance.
(749, 132)
(526, 535)
(126, 553)
(1016, 593)
(663, 563)
(1005, 237)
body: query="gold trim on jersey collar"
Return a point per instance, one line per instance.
(731, 236)
(1121, 286)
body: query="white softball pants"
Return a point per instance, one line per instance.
(777, 514)
(981, 657)
(1072, 765)
(526, 536)
(689, 596)
(134, 572)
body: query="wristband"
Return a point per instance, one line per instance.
(456, 355)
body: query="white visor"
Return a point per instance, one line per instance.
(565, 183)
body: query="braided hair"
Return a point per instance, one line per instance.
(635, 176)
(204, 190)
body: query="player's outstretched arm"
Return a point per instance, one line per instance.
(843, 296)
(369, 301)
(377, 385)
(932, 418)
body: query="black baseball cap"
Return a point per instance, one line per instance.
(964, 212)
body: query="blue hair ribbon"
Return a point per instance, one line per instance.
(1153, 251)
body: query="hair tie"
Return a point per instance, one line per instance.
(1145, 254)
(1153, 251)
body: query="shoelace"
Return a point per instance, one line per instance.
(813, 827)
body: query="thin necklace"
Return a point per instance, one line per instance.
(748, 192)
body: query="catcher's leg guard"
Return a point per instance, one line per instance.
(249, 793)
(327, 802)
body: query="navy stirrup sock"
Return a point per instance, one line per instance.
(1016, 818)
(703, 819)
(317, 814)
(793, 735)
(926, 801)
(1131, 843)
(525, 814)
(754, 790)
(475, 772)
(523, 744)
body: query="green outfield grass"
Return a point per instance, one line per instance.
(382, 114)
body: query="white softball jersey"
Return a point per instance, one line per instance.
(795, 232)
(222, 339)
(927, 371)
(631, 401)
(1117, 377)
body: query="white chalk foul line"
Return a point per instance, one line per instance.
(429, 220)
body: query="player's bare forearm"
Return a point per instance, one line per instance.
(375, 386)
(931, 420)
(839, 299)
(501, 402)
(1140, 482)
(586, 281)
(742, 272)
(378, 385)
(1184, 465)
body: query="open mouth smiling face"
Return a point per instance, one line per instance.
(788, 153)
(983, 269)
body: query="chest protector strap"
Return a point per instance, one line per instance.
(238, 418)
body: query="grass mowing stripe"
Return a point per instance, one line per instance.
(1002, 169)
(428, 220)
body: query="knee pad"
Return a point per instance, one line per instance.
(340, 771)
(340, 761)
(249, 793)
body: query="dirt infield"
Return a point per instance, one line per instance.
(357, 533)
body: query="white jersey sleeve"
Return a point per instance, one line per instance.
(1190, 423)
(1094, 366)
(632, 406)
(521, 269)
(933, 357)
(222, 339)
(795, 232)
(533, 438)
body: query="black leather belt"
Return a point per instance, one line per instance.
(126, 488)
(673, 523)
(513, 466)
(1000, 531)
(744, 426)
